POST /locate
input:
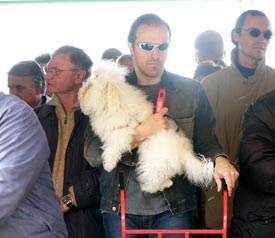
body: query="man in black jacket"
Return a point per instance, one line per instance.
(75, 181)
(254, 202)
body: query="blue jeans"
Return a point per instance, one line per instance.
(165, 220)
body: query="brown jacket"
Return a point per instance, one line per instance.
(230, 94)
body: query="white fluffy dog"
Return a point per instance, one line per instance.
(115, 109)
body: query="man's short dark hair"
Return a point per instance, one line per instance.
(240, 21)
(43, 59)
(147, 19)
(29, 68)
(111, 54)
(210, 45)
(77, 57)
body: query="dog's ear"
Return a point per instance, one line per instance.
(83, 97)
(112, 96)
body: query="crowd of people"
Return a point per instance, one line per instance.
(52, 181)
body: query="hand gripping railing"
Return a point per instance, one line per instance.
(161, 232)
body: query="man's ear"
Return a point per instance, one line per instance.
(80, 76)
(131, 48)
(38, 89)
(224, 54)
(198, 57)
(235, 37)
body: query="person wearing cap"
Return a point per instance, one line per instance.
(26, 81)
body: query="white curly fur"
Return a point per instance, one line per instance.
(115, 108)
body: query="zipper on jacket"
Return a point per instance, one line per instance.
(65, 120)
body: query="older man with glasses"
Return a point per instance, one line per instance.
(186, 103)
(232, 89)
(75, 181)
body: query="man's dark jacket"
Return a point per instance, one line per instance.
(84, 221)
(254, 202)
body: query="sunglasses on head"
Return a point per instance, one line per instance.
(254, 32)
(149, 47)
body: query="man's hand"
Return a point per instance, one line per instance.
(64, 207)
(149, 127)
(225, 170)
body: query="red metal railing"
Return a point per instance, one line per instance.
(160, 232)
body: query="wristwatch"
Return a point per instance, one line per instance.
(67, 201)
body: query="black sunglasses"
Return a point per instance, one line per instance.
(149, 47)
(254, 32)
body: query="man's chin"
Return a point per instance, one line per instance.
(260, 57)
(155, 71)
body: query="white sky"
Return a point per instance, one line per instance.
(28, 30)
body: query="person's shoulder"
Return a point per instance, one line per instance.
(184, 85)
(175, 76)
(220, 79)
(181, 80)
(218, 75)
(270, 70)
(14, 103)
(267, 99)
(3, 98)
(16, 112)
(263, 109)
(7, 98)
(263, 105)
(44, 110)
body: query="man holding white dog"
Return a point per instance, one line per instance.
(187, 104)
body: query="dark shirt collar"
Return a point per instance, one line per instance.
(164, 82)
(246, 72)
(220, 62)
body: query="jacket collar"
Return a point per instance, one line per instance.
(165, 81)
(234, 57)
(258, 71)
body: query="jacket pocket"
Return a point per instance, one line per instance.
(86, 188)
(265, 216)
(261, 223)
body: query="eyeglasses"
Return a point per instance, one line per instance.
(254, 32)
(149, 47)
(56, 71)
